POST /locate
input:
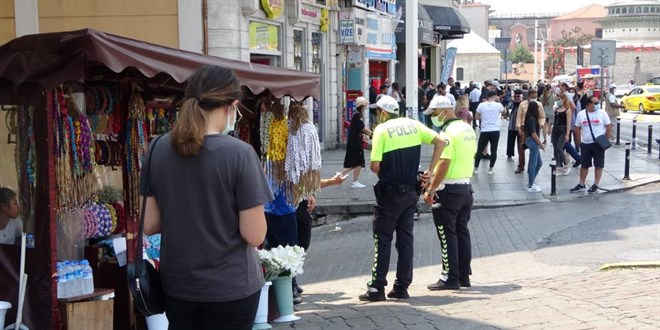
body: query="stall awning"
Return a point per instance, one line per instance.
(450, 23)
(46, 60)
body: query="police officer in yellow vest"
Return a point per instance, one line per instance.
(395, 153)
(450, 195)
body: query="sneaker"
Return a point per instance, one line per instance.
(578, 188)
(534, 189)
(593, 189)
(566, 170)
(398, 292)
(476, 170)
(535, 185)
(442, 285)
(373, 294)
(576, 164)
(491, 172)
(299, 289)
(297, 299)
(357, 185)
(519, 170)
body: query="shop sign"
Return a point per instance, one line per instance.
(309, 14)
(273, 8)
(380, 38)
(264, 37)
(380, 6)
(346, 32)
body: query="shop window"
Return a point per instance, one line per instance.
(316, 52)
(299, 50)
(653, 9)
(459, 74)
(638, 10)
(624, 10)
(646, 10)
(617, 11)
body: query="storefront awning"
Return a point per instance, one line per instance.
(435, 24)
(49, 59)
(450, 23)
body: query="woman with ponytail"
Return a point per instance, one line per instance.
(206, 193)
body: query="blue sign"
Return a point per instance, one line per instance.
(448, 67)
(381, 6)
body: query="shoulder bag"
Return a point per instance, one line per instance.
(601, 140)
(143, 278)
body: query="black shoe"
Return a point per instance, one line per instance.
(465, 282)
(297, 300)
(373, 294)
(299, 290)
(442, 285)
(398, 292)
(519, 170)
(593, 189)
(578, 188)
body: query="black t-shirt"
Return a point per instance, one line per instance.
(531, 126)
(203, 256)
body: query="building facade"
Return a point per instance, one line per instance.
(585, 18)
(632, 21)
(476, 14)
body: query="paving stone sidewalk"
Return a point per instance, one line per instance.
(505, 188)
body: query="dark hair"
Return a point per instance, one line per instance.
(6, 195)
(209, 88)
(395, 86)
(580, 85)
(384, 86)
(591, 100)
(442, 85)
(458, 84)
(532, 111)
(565, 85)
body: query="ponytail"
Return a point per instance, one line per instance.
(190, 128)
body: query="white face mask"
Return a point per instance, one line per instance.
(570, 95)
(436, 120)
(231, 120)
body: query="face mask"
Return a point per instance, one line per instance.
(570, 95)
(437, 122)
(231, 121)
(597, 107)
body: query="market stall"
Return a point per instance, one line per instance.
(84, 106)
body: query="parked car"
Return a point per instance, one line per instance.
(643, 98)
(654, 81)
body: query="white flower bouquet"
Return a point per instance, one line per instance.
(282, 261)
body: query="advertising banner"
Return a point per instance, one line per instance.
(448, 67)
(264, 36)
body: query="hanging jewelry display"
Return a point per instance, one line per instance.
(101, 106)
(159, 120)
(25, 158)
(303, 156)
(135, 147)
(276, 147)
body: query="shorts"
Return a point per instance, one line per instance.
(591, 151)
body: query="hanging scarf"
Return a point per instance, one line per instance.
(303, 163)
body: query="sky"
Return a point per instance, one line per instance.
(540, 6)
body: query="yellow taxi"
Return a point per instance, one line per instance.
(642, 98)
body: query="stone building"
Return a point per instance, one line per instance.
(476, 59)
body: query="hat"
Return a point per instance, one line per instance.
(438, 102)
(361, 101)
(496, 84)
(388, 104)
(612, 86)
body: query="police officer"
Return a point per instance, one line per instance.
(450, 195)
(395, 153)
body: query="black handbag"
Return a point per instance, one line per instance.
(601, 140)
(143, 279)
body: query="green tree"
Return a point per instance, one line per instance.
(554, 61)
(521, 55)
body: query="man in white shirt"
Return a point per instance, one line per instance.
(598, 121)
(490, 113)
(612, 106)
(442, 90)
(474, 102)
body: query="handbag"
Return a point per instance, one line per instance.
(601, 140)
(365, 141)
(143, 278)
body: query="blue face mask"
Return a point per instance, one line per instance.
(597, 107)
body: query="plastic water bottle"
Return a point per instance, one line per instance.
(88, 277)
(60, 280)
(62, 287)
(68, 285)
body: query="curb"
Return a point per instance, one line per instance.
(367, 207)
(630, 265)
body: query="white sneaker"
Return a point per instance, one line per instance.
(491, 172)
(534, 189)
(476, 171)
(357, 185)
(567, 170)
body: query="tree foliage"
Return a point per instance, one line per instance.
(554, 61)
(521, 55)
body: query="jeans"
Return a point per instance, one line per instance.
(535, 161)
(558, 140)
(237, 314)
(485, 138)
(570, 149)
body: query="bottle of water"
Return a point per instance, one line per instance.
(68, 285)
(77, 279)
(62, 287)
(88, 277)
(60, 280)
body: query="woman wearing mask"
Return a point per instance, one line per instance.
(533, 142)
(206, 197)
(563, 118)
(11, 227)
(548, 99)
(354, 157)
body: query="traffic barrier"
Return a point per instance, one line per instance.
(626, 170)
(553, 178)
(649, 147)
(634, 135)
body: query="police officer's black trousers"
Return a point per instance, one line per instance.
(451, 222)
(394, 212)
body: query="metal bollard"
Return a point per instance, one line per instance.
(626, 170)
(618, 130)
(634, 135)
(553, 177)
(649, 142)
